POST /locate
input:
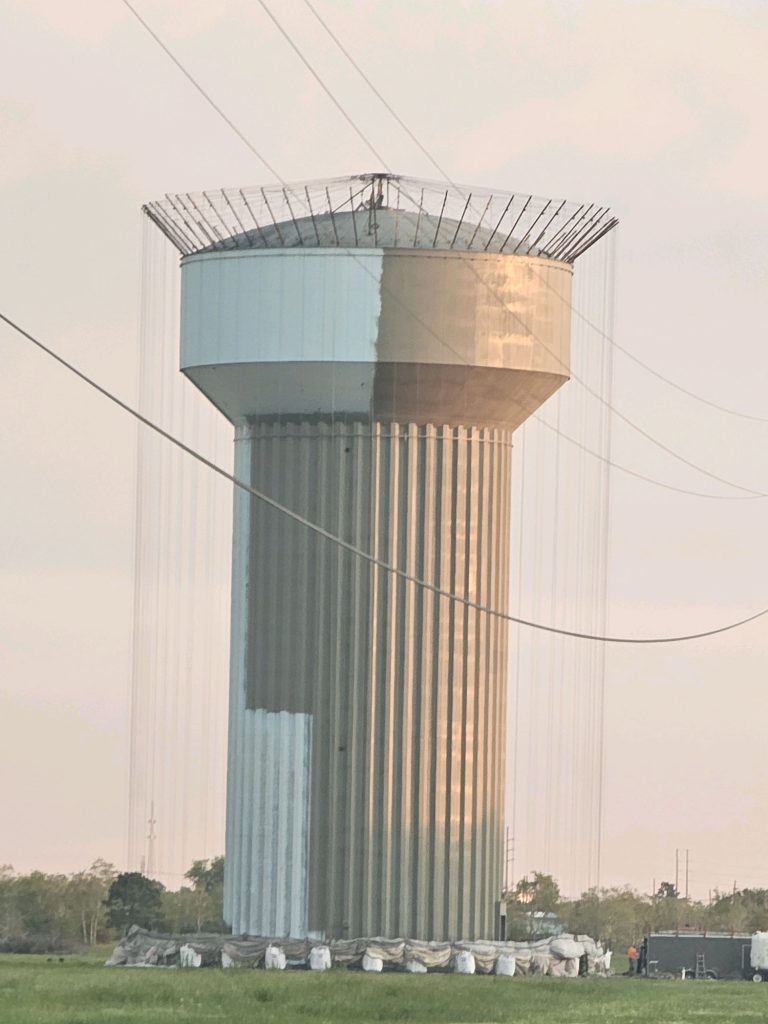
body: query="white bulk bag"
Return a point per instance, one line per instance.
(274, 959)
(505, 965)
(414, 967)
(372, 963)
(464, 963)
(319, 958)
(188, 957)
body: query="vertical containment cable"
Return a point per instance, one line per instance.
(560, 535)
(181, 600)
(605, 512)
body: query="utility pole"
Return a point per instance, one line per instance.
(506, 862)
(677, 869)
(509, 862)
(151, 837)
(686, 873)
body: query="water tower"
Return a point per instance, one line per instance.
(374, 341)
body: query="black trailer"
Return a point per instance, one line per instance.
(709, 955)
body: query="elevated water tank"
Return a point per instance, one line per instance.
(374, 341)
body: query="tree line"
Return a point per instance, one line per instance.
(621, 916)
(42, 912)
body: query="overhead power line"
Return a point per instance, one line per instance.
(206, 96)
(286, 35)
(649, 369)
(351, 548)
(747, 492)
(447, 178)
(641, 476)
(491, 290)
(378, 95)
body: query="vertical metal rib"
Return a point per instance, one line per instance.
(369, 712)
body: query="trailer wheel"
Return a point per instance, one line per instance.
(757, 976)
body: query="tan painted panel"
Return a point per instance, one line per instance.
(488, 310)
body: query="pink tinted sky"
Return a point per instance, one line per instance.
(654, 108)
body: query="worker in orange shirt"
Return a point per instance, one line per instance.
(634, 956)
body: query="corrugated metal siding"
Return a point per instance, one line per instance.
(280, 305)
(233, 863)
(268, 798)
(406, 690)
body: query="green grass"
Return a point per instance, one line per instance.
(34, 990)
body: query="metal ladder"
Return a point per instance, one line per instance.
(701, 967)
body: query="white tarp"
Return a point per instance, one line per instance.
(539, 963)
(564, 967)
(431, 955)
(243, 952)
(390, 951)
(348, 951)
(566, 948)
(559, 957)
(484, 954)
(142, 948)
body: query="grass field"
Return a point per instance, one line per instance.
(80, 991)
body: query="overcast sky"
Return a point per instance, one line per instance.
(657, 109)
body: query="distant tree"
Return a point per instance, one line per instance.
(88, 891)
(46, 913)
(10, 918)
(667, 891)
(41, 902)
(755, 902)
(539, 892)
(617, 916)
(191, 910)
(207, 875)
(134, 899)
(530, 905)
(200, 908)
(745, 910)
